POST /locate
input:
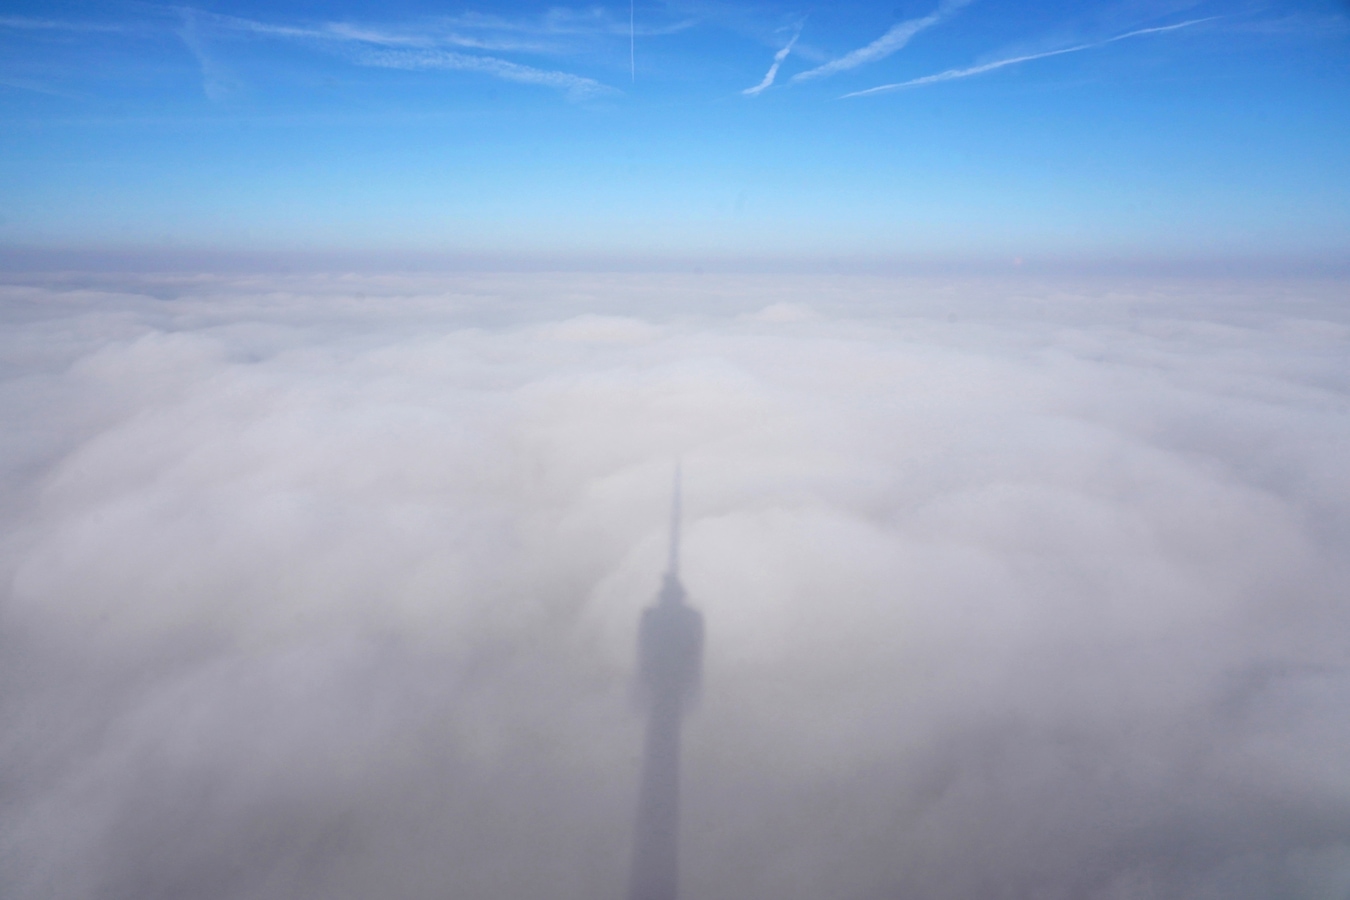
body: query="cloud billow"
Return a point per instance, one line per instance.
(328, 587)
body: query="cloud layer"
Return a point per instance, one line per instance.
(326, 587)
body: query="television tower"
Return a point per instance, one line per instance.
(670, 658)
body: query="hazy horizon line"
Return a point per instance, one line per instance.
(21, 259)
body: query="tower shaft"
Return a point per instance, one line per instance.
(655, 872)
(670, 659)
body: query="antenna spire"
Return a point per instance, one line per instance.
(673, 566)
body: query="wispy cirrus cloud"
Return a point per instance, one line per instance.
(346, 31)
(898, 36)
(432, 47)
(24, 84)
(24, 23)
(218, 82)
(953, 74)
(470, 41)
(565, 21)
(557, 32)
(339, 33)
(576, 87)
(778, 58)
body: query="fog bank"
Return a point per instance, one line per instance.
(327, 587)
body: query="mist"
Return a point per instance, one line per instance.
(329, 587)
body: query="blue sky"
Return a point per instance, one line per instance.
(909, 130)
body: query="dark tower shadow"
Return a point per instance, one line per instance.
(670, 658)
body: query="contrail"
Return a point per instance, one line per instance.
(773, 69)
(884, 46)
(952, 74)
(23, 85)
(632, 42)
(575, 86)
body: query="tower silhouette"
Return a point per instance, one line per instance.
(670, 657)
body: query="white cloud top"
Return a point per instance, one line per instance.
(328, 587)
